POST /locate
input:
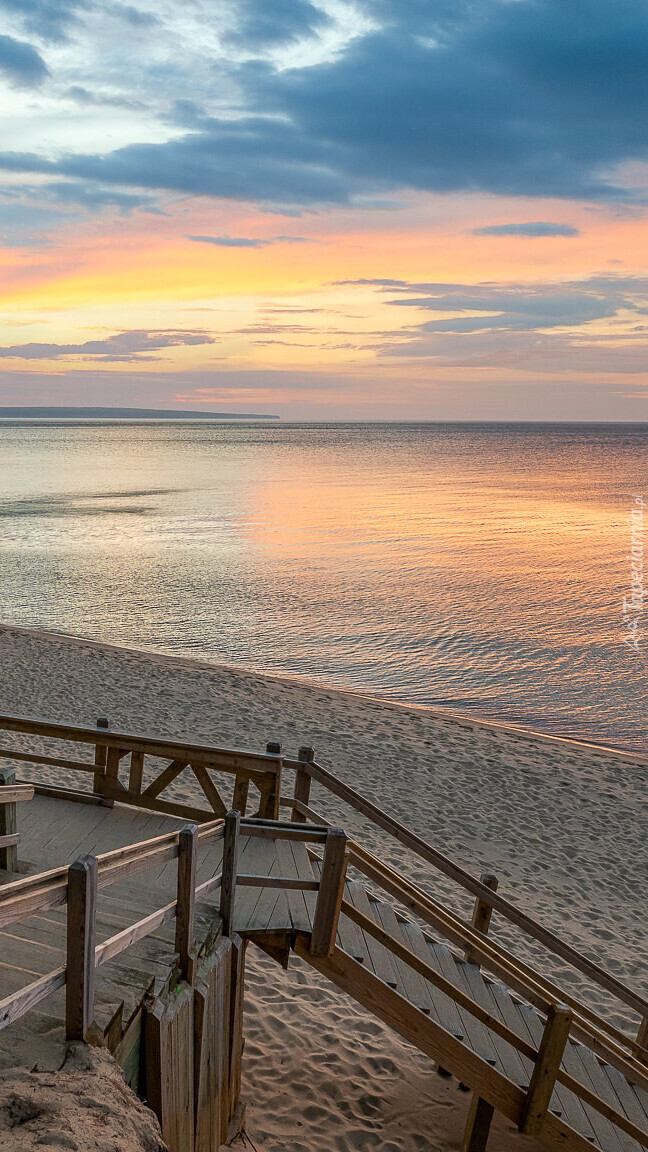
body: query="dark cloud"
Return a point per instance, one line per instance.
(542, 327)
(532, 229)
(121, 348)
(48, 19)
(531, 98)
(21, 64)
(262, 23)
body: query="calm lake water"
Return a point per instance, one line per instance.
(477, 567)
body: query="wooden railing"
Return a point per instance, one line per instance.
(116, 753)
(472, 938)
(565, 1014)
(10, 795)
(78, 886)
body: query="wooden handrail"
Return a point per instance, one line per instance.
(535, 988)
(107, 738)
(455, 872)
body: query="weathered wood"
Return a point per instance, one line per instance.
(169, 1063)
(15, 793)
(288, 883)
(482, 913)
(301, 794)
(229, 870)
(118, 943)
(587, 1096)
(448, 867)
(186, 900)
(641, 1048)
(8, 824)
(240, 797)
(136, 773)
(209, 788)
(420, 1030)
(331, 892)
(547, 1066)
(100, 753)
(73, 794)
(478, 1125)
(81, 924)
(212, 1016)
(128, 1053)
(538, 990)
(236, 1041)
(439, 981)
(18, 1003)
(166, 777)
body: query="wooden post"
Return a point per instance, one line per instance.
(331, 891)
(136, 773)
(240, 797)
(186, 900)
(81, 917)
(642, 1041)
(228, 882)
(302, 782)
(100, 758)
(8, 825)
(271, 807)
(477, 1125)
(482, 913)
(547, 1066)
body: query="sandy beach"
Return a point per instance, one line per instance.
(562, 826)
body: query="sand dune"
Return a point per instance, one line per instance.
(563, 826)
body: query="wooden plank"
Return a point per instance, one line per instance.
(445, 1006)
(478, 1125)
(18, 1003)
(331, 892)
(517, 975)
(8, 823)
(164, 779)
(547, 1065)
(209, 788)
(118, 943)
(519, 1017)
(287, 883)
(377, 954)
(410, 982)
(229, 871)
(81, 927)
(297, 909)
(186, 900)
(39, 758)
(72, 794)
(15, 793)
(615, 1130)
(482, 913)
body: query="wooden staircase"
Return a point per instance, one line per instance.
(379, 959)
(542, 1056)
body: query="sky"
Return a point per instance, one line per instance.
(383, 209)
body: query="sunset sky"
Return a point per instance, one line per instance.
(385, 209)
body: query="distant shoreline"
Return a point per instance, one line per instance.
(33, 412)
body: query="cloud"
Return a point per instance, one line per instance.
(251, 241)
(265, 23)
(539, 327)
(525, 98)
(533, 228)
(49, 19)
(133, 346)
(21, 64)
